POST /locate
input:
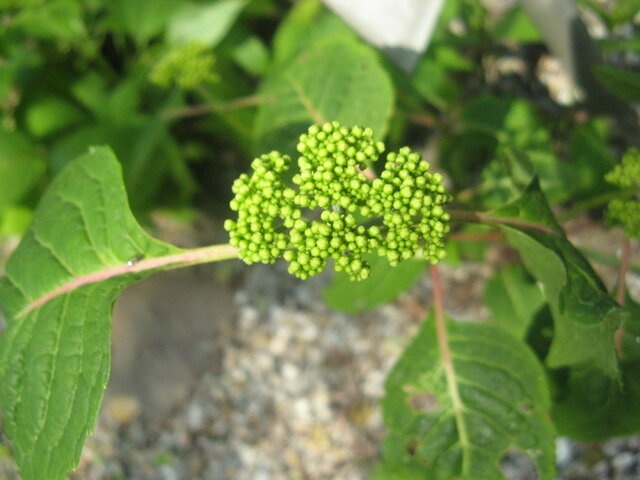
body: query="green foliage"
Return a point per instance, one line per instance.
(383, 285)
(57, 297)
(21, 167)
(333, 80)
(182, 90)
(585, 316)
(441, 406)
(406, 197)
(203, 23)
(513, 299)
(622, 83)
(514, 25)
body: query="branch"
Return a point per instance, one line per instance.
(203, 109)
(196, 256)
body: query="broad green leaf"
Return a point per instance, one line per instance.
(307, 23)
(622, 83)
(513, 299)
(589, 406)
(57, 296)
(21, 166)
(383, 285)
(585, 316)
(335, 80)
(206, 23)
(384, 471)
(456, 413)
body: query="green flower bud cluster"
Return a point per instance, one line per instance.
(333, 211)
(188, 65)
(410, 201)
(626, 212)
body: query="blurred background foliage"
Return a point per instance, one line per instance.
(186, 92)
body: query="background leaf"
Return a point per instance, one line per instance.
(21, 166)
(383, 285)
(307, 23)
(585, 316)
(513, 299)
(336, 80)
(589, 406)
(206, 23)
(622, 83)
(143, 19)
(55, 353)
(500, 405)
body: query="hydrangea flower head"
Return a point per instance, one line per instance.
(333, 210)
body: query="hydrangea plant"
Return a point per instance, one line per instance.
(333, 210)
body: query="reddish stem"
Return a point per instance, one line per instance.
(196, 256)
(447, 361)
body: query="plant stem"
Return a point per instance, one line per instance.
(443, 344)
(203, 109)
(196, 256)
(481, 217)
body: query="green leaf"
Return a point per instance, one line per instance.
(21, 166)
(307, 23)
(206, 23)
(513, 299)
(589, 406)
(456, 413)
(252, 55)
(57, 296)
(383, 285)
(143, 19)
(337, 80)
(590, 157)
(434, 83)
(515, 25)
(59, 20)
(384, 471)
(515, 129)
(585, 316)
(624, 11)
(622, 83)
(50, 115)
(15, 220)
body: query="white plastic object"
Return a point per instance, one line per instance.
(400, 28)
